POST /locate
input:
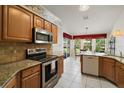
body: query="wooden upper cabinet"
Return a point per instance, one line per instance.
(17, 24)
(38, 22)
(55, 33)
(120, 74)
(0, 22)
(47, 26)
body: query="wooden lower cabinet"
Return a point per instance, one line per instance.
(32, 81)
(107, 68)
(31, 77)
(81, 63)
(0, 22)
(12, 83)
(120, 74)
(61, 66)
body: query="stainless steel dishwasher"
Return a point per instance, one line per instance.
(91, 65)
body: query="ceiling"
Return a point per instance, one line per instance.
(101, 18)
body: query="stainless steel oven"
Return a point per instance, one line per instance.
(42, 36)
(49, 74)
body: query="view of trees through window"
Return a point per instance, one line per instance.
(100, 45)
(87, 45)
(77, 46)
(66, 48)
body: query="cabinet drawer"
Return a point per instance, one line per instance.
(90, 58)
(30, 71)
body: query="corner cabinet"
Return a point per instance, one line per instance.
(120, 74)
(107, 67)
(38, 22)
(55, 33)
(17, 24)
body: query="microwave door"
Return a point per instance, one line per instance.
(50, 38)
(41, 38)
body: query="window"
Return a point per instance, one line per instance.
(100, 45)
(88, 44)
(77, 46)
(66, 48)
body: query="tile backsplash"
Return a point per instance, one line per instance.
(11, 52)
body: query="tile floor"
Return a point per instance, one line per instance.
(72, 78)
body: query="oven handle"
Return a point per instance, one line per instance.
(49, 62)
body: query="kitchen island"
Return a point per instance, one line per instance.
(109, 67)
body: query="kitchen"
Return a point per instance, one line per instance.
(32, 53)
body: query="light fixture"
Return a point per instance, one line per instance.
(84, 7)
(117, 33)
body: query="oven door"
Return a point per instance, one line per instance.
(49, 74)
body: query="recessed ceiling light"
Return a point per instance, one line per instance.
(84, 7)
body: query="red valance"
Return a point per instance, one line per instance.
(65, 35)
(90, 36)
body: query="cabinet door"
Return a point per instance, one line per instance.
(11, 83)
(0, 22)
(81, 63)
(100, 66)
(55, 33)
(47, 26)
(32, 81)
(38, 22)
(109, 69)
(60, 66)
(17, 24)
(120, 75)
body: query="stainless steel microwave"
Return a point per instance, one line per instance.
(42, 36)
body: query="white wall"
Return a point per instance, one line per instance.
(119, 24)
(58, 48)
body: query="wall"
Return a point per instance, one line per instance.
(119, 24)
(10, 51)
(57, 49)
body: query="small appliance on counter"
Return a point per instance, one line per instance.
(42, 36)
(49, 76)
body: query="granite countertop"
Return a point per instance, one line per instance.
(7, 71)
(119, 59)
